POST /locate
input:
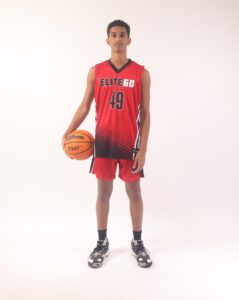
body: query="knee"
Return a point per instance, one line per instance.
(105, 190)
(133, 191)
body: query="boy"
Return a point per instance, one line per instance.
(121, 89)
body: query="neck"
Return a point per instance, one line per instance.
(119, 59)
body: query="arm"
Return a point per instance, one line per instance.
(144, 123)
(84, 107)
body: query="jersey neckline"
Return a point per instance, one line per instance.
(122, 68)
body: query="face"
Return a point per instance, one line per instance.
(118, 39)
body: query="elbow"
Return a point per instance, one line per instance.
(84, 108)
(145, 114)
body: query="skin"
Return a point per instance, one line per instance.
(118, 42)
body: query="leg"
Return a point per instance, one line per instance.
(101, 251)
(136, 204)
(104, 169)
(105, 189)
(141, 254)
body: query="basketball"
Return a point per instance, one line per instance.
(79, 144)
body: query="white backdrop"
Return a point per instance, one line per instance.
(190, 192)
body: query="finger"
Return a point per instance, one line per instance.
(137, 170)
(135, 164)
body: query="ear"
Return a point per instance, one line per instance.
(129, 41)
(107, 41)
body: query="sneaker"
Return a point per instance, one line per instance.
(141, 254)
(96, 258)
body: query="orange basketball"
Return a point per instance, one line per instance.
(79, 144)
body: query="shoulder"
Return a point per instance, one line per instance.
(98, 65)
(91, 74)
(103, 63)
(137, 65)
(145, 78)
(94, 69)
(101, 67)
(146, 73)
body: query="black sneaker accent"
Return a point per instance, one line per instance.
(96, 258)
(141, 254)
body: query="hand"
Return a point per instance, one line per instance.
(138, 162)
(63, 143)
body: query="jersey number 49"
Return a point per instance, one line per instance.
(116, 100)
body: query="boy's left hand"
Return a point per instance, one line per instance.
(138, 162)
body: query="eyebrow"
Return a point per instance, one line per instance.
(116, 32)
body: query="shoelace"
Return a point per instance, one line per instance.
(98, 249)
(141, 249)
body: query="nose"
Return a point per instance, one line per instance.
(118, 38)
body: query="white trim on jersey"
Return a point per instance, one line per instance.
(137, 140)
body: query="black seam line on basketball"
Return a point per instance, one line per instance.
(82, 151)
(82, 142)
(79, 138)
(73, 154)
(70, 153)
(89, 136)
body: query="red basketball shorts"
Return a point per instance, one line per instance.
(105, 168)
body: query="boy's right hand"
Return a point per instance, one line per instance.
(63, 143)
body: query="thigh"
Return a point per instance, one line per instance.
(104, 168)
(125, 171)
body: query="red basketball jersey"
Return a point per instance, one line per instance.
(117, 100)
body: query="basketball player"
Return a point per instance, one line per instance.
(121, 89)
